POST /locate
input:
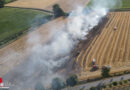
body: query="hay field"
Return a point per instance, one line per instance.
(110, 47)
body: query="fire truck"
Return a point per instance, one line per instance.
(2, 86)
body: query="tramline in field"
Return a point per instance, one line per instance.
(111, 47)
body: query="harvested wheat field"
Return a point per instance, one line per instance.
(110, 47)
(17, 52)
(32, 3)
(47, 4)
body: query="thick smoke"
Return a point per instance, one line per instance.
(44, 58)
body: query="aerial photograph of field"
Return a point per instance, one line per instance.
(64, 44)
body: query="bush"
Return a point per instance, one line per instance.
(125, 81)
(121, 83)
(115, 83)
(105, 71)
(39, 86)
(72, 80)
(93, 88)
(104, 86)
(58, 11)
(81, 89)
(126, 72)
(57, 84)
(1, 3)
(128, 79)
(110, 85)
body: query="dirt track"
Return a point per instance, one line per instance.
(111, 47)
(66, 5)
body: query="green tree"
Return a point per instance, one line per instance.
(125, 81)
(72, 80)
(121, 83)
(58, 11)
(110, 85)
(1, 3)
(105, 71)
(57, 84)
(39, 86)
(93, 88)
(115, 83)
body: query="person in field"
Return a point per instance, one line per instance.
(94, 61)
(115, 28)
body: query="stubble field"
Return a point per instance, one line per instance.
(66, 5)
(110, 47)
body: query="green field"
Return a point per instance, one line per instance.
(8, 1)
(14, 22)
(124, 4)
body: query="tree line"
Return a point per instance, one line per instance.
(58, 84)
(2, 2)
(56, 9)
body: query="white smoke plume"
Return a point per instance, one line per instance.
(45, 57)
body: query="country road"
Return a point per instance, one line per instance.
(99, 82)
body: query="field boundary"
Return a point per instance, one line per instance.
(17, 35)
(47, 11)
(101, 81)
(120, 10)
